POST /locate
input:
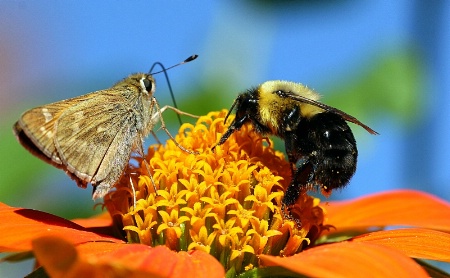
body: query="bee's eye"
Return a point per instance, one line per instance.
(148, 85)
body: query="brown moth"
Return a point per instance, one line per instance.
(91, 137)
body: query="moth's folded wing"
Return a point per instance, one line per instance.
(35, 130)
(95, 138)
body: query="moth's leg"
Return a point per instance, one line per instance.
(134, 192)
(156, 137)
(163, 125)
(140, 150)
(178, 111)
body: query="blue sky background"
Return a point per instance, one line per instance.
(385, 62)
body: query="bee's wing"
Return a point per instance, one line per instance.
(325, 107)
(95, 138)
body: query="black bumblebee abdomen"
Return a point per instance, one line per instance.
(325, 154)
(335, 154)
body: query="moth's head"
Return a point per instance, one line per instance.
(143, 82)
(147, 83)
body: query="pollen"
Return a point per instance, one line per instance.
(225, 200)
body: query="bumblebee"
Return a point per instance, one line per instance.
(319, 144)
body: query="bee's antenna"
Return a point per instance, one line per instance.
(190, 58)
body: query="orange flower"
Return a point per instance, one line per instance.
(219, 212)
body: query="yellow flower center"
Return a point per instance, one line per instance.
(225, 201)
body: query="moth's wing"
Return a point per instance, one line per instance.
(94, 139)
(328, 108)
(35, 129)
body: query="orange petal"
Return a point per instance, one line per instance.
(417, 243)
(18, 227)
(123, 260)
(400, 207)
(349, 259)
(98, 248)
(59, 258)
(101, 220)
(55, 254)
(166, 263)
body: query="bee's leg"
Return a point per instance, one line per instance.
(303, 176)
(290, 145)
(236, 125)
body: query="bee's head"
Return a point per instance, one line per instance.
(245, 104)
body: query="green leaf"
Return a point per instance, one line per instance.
(391, 84)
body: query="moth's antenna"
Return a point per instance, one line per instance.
(190, 58)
